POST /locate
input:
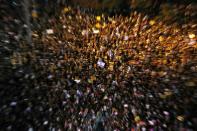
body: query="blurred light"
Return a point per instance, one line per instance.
(98, 25)
(161, 38)
(98, 18)
(191, 36)
(152, 22)
(180, 118)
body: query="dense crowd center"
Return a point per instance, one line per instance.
(98, 72)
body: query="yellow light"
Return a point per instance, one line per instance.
(161, 38)
(137, 119)
(152, 22)
(164, 61)
(113, 22)
(111, 67)
(102, 15)
(66, 10)
(191, 36)
(98, 18)
(104, 25)
(98, 25)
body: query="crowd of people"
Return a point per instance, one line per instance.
(100, 72)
